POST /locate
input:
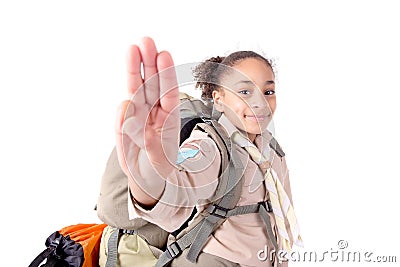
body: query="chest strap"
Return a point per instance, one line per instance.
(262, 208)
(215, 213)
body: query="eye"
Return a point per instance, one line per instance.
(244, 92)
(269, 92)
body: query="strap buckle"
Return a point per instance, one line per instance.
(129, 232)
(55, 243)
(219, 211)
(173, 250)
(267, 205)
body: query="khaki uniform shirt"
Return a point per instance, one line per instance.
(240, 238)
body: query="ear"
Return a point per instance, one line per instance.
(218, 100)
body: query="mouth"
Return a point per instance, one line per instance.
(256, 117)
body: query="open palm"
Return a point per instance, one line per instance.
(148, 124)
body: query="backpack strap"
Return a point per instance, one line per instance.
(189, 239)
(231, 180)
(231, 165)
(276, 147)
(46, 253)
(112, 248)
(112, 245)
(223, 205)
(226, 197)
(262, 208)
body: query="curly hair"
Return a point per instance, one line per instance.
(208, 74)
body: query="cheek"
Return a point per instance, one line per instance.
(235, 105)
(272, 104)
(239, 107)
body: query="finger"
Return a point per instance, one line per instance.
(149, 53)
(125, 109)
(121, 113)
(135, 81)
(169, 90)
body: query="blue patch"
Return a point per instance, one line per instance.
(185, 154)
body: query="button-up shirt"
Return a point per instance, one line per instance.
(240, 238)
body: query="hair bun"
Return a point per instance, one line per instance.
(204, 74)
(216, 59)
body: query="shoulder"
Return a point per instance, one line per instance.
(199, 148)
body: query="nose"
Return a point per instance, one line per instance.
(258, 101)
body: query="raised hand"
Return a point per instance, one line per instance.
(148, 124)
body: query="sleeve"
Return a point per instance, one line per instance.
(112, 202)
(194, 181)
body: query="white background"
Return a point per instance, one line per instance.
(62, 76)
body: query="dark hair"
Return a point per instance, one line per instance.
(209, 73)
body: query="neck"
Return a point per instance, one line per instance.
(251, 137)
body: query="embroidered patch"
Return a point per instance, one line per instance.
(186, 154)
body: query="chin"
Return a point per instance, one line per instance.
(254, 129)
(253, 132)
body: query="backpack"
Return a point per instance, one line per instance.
(195, 114)
(74, 245)
(125, 242)
(146, 240)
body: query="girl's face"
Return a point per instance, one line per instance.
(248, 96)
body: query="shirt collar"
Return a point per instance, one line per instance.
(228, 125)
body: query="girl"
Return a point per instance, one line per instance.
(164, 190)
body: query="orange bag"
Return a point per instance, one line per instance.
(72, 246)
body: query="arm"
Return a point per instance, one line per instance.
(194, 184)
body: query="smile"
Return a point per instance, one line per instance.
(256, 117)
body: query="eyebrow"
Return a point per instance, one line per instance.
(251, 83)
